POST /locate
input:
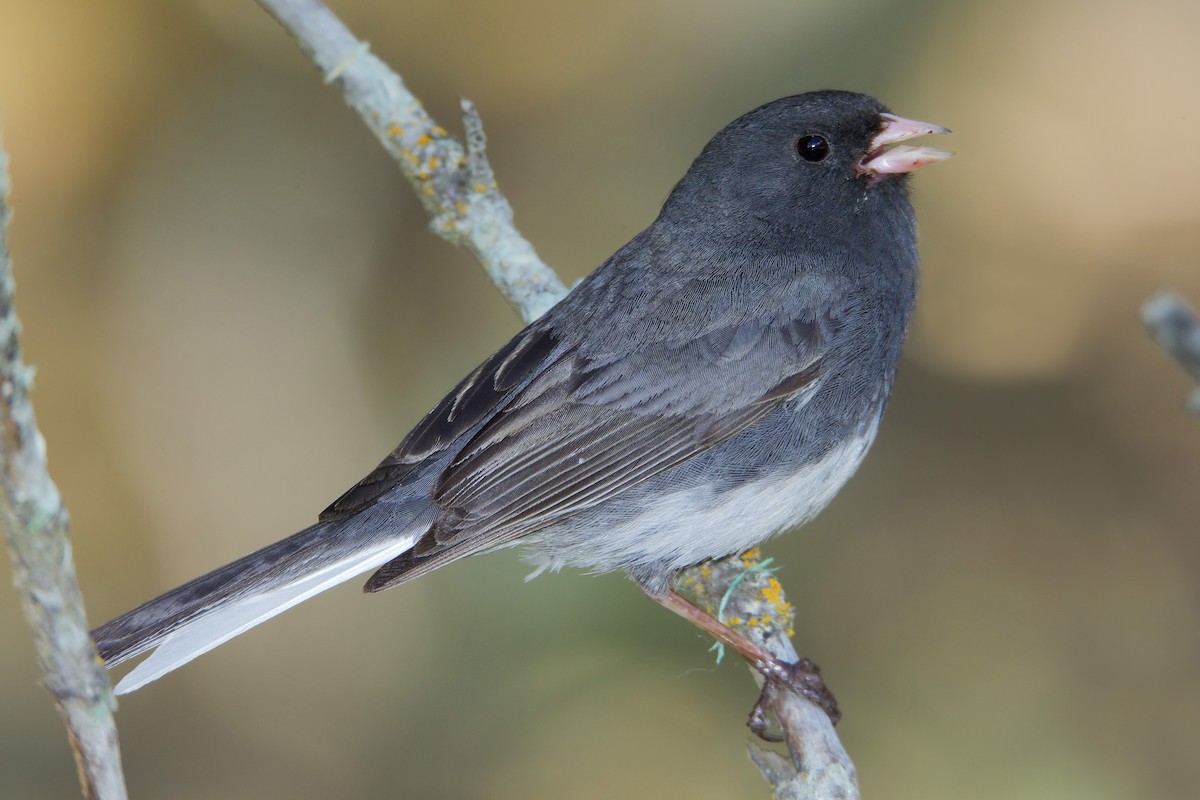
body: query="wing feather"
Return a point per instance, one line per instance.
(581, 433)
(561, 420)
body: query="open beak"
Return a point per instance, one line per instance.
(880, 160)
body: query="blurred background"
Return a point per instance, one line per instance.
(235, 311)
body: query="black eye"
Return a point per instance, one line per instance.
(813, 148)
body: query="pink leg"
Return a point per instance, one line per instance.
(803, 676)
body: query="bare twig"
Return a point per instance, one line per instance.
(1174, 326)
(35, 525)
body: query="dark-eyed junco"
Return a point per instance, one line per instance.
(713, 383)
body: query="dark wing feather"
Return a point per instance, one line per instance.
(474, 399)
(578, 455)
(593, 424)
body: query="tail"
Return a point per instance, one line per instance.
(191, 620)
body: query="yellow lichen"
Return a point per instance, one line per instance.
(773, 594)
(396, 130)
(424, 140)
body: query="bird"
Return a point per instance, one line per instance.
(710, 385)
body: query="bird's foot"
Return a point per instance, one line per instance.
(802, 677)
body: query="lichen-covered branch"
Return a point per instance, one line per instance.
(817, 767)
(459, 191)
(35, 527)
(1174, 326)
(455, 185)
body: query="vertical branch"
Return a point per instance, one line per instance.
(35, 526)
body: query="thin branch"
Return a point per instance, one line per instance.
(1174, 326)
(35, 526)
(818, 768)
(459, 191)
(456, 187)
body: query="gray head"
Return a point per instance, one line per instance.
(814, 164)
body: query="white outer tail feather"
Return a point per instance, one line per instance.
(227, 621)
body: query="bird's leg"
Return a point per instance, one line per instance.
(803, 676)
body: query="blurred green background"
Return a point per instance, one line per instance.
(235, 311)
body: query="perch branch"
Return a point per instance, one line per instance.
(35, 526)
(818, 768)
(459, 192)
(1173, 325)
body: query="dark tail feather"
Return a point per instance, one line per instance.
(144, 627)
(198, 616)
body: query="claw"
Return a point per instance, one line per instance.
(759, 723)
(804, 678)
